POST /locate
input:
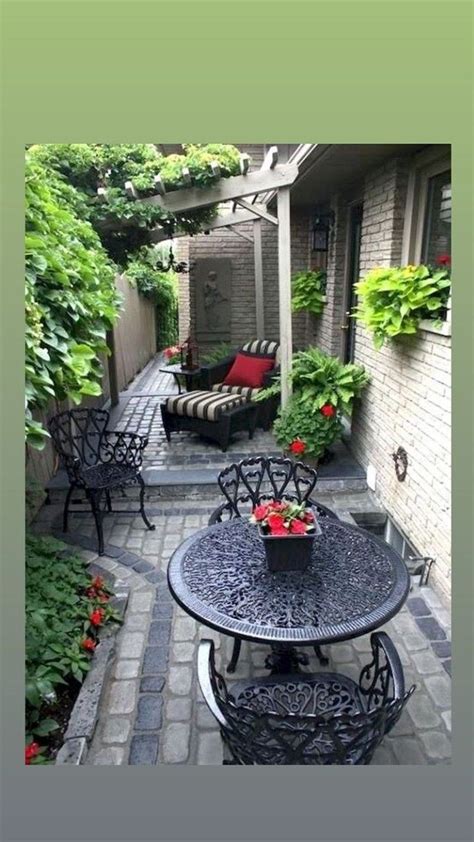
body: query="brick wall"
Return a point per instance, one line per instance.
(408, 401)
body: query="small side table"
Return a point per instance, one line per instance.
(188, 374)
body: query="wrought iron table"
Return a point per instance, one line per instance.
(177, 372)
(354, 584)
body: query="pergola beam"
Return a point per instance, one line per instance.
(225, 190)
(159, 186)
(258, 266)
(271, 158)
(240, 233)
(225, 219)
(257, 211)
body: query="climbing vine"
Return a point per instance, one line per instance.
(76, 243)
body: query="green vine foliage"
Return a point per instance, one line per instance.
(122, 223)
(392, 301)
(308, 292)
(70, 297)
(162, 288)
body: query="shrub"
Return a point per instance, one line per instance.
(64, 611)
(308, 292)
(392, 301)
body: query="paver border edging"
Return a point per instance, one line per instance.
(85, 713)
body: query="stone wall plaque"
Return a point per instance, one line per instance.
(213, 289)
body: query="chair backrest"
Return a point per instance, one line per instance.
(77, 436)
(301, 719)
(262, 348)
(245, 484)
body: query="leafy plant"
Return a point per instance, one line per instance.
(70, 298)
(308, 292)
(65, 609)
(393, 300)
(319, 379)
(316, 430)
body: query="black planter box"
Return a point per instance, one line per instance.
(290, 552)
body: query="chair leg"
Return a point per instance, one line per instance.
(235, 655)
(94, 497)
(149, 525)
(66, 507)
(322, 658)
(109, 501)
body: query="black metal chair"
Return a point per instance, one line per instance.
(307, 719)
(249, 482)
(97, 460)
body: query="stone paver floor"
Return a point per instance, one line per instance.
(152, 710)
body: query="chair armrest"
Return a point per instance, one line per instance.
(122, 448)
(207, 677)
(383, 678)
(215, 372)
(269, 376)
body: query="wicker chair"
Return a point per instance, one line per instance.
(245, 484)
(213, 375)
(97, 460)
(307, 719)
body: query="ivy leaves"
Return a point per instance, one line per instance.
(70, 298)
(393, 301)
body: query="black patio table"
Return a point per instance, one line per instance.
(354, 584)
(189, 374)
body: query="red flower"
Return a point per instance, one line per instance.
(443, 260)
(328, 410)
(279, 530)
(275, 521)
(260, 512)
(96, 617)
(297, 527)
(103, 597)
(309, 517)
(88, 644)
(31, 751)
(297, 447)
(98, 583)
(170, 352)
(91, 593)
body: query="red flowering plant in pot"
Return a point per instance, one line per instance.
(288, 529)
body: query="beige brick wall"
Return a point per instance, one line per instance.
(408, 402)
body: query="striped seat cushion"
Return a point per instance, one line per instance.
(205, 405)
(245, 391)
(262, 348)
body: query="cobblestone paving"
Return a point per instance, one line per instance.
(153, 711)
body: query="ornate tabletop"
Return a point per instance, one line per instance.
(354, 584)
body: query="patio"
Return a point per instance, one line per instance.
(152, 711)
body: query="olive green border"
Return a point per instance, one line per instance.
(286, 71)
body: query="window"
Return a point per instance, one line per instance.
(427, 229)
(395, 538)
(437, 223)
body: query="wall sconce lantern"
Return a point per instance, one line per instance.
(322, 224)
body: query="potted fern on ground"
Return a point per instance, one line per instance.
(324, 389)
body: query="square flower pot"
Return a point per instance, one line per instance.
(289, 552)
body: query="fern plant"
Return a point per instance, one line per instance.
(393, 300)
(308, 292)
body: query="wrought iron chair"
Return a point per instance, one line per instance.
(249, 482)
(97, 460)
(307, 719)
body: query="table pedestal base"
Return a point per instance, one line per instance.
(287, 659)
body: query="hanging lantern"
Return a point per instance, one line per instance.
(322, 224)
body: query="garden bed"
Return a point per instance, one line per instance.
(71, 613)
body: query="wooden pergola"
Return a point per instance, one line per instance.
(241, 198)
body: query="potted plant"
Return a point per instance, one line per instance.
(323, 389)
(288, 530)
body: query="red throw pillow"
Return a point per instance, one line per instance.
(248, 370)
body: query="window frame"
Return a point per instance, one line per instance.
(431, 162)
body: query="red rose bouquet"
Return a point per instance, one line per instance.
(283, 518)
